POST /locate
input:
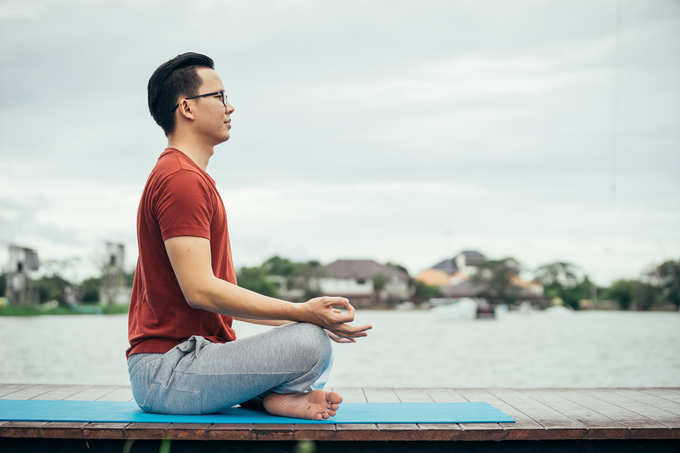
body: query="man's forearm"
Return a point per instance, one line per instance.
(264, 322)
(220, 296)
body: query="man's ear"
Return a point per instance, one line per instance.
(185, 110)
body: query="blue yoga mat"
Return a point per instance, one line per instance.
(119, 411)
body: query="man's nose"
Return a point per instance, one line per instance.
(229, 108)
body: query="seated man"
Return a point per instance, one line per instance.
(184, 357)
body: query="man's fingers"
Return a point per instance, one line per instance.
(338, 302)
(349, 331)
(339, 339)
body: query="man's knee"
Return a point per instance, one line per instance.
(314, 341)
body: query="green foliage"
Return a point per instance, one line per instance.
(255, 279)
(560, 279)
(668, 274)
(495, 276)
(423, 291)
(89, 290)
(279, 266)
(129, 278)
(646, 295)
(23, 310)
(115, 309)
(398, 266)
(622, 292)
(287, 268)
(379, 281)
(51, 287)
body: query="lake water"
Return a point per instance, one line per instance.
(404, 349)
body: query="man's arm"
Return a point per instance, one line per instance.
(191, 261)
(264, 322)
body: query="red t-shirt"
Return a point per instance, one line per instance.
(179, 199)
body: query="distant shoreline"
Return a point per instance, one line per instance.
(113, 309)
(94, 309)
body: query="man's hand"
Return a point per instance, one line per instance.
(321, 311)
(338, 339)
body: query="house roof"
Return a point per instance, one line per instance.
(449, 265)
(433, 277)
(365, 269)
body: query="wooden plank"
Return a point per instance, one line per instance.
(556, 424)
(6, 389)
(653, 398)
(120, 393)
(390, 431)
(434, 431)
(669, 394)
(524, 428)
(91, 393)
(303, 431)
(625, 398)
(589, 398)
(599, 425)
(146, 430)
(63, 430)
(480, 431)
(272, 431)
(232, 431)
(353, 431)
(189, 431)
(97, 430)
(28, 392)
(60, 392)
(21, 429)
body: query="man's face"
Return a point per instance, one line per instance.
(212, 119)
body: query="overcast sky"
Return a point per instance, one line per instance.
(388, 130)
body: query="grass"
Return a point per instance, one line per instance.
(14, 310)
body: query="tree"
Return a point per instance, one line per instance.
(255, 279)
(669, 281)
(495, 276)
(557, 273)
(279, 266)
(560, 279)
(423, 292)
(379, 282)
(622, 292)
(646, 295)
(52, 287)
(89, 290)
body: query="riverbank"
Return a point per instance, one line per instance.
(12, 310)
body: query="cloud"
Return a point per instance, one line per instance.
(370, 129)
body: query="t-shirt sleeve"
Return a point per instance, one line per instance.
(183, 206)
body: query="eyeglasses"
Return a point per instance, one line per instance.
(223, 97)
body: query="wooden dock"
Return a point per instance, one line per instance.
(572, 416)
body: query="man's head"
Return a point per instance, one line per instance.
(176, 98)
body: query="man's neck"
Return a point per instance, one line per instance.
(197, 152)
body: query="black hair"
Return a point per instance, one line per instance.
(172, 79)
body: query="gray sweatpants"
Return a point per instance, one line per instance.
(199, 376)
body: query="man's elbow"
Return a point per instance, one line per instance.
(198, 298)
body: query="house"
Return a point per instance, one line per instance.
(285, 291)
(453, 276)
(454, 270)
(353, 278)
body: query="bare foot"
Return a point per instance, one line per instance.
(315, 405)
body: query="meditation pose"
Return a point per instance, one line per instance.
(184, 357)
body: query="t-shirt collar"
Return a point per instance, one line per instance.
(188, 159)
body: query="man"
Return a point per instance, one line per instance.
(184, 356)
